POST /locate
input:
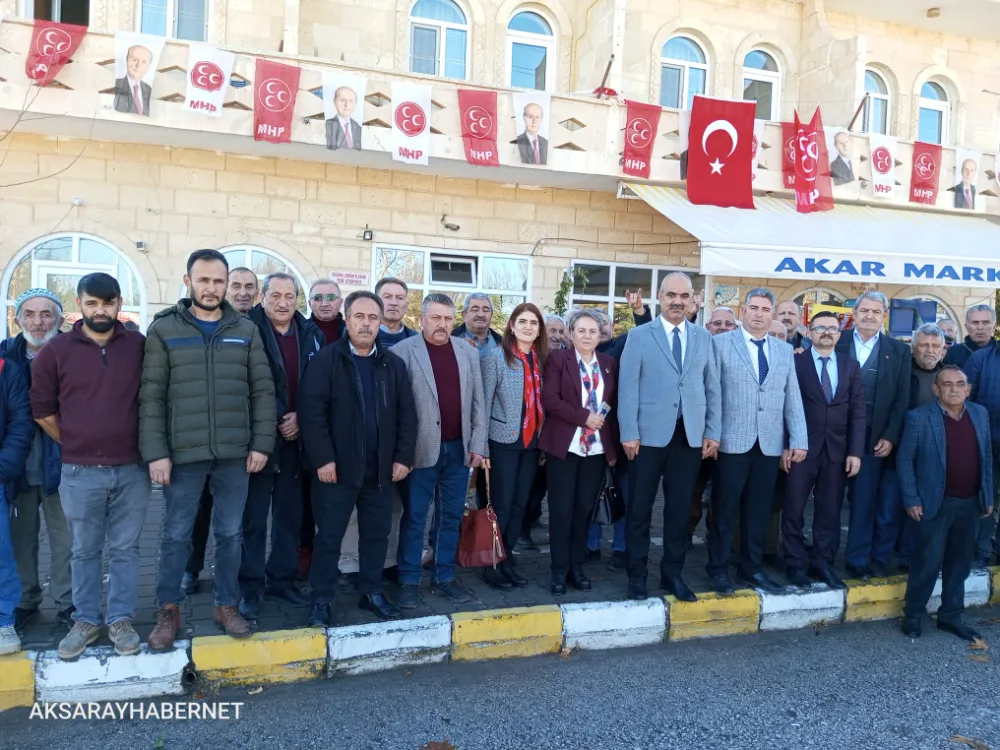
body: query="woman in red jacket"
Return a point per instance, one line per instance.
(580, 438)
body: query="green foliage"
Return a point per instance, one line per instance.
(560, 303)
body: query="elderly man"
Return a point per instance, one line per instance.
(946, 472)
(325, 301)
(983, 370)
(777, 329)
(361, 439)
(290, 342)
(667, 370)
(763, 427)
(980, 323)
(243, 289)
(40, 315)
(950, 330)
(885, 373)
(789, 314)
(722, 320)
(394, 294)
(555, 330)
(451, 436)
(477, 315)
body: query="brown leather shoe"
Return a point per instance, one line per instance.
(230, 620)
(168, 622)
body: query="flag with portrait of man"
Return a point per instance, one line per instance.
(343, 109)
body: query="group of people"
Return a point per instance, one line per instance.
(243, 409)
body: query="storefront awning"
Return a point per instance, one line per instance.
(850, 243)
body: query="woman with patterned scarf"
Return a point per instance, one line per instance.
(512, 387)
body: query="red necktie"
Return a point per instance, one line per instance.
(137, 98)
(537, 160)
(347, 135)
(968, 198)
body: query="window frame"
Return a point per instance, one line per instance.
(866, 118)
(685, 67)
(764, 76)
(247, 262)
(550, 43)
(935, 105)
(441, 29)
(171, 13)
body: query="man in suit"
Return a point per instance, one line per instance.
(965, 191)
(534, 149)
(980, 322)
(666, 367)
(946, 472)
(761, 415)
(885, 371)
(841, 169)
(342, 130)
(790, 315)
(983, 371)
(131, 92)
(833, 398)
(451, 437)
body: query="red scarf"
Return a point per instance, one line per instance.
(532, 397)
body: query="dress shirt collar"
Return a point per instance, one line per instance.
(669, 327)
(749, 337)
(591, 365)
(867, 344)
(356, 353)
(945, 413)
(832, 356)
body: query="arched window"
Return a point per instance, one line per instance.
(876, 114)
(531, 51)
(59, 261)
(935, 111)
(439, 39)
(820, 296)
(683, 72)
(762, 83)
(261, 262)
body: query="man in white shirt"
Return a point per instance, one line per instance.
(342, 130)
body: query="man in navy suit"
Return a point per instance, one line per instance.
(946, 474)
(833, 397)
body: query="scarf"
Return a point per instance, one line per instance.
(532, 397)
(591, 380)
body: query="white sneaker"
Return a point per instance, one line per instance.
(9, 641)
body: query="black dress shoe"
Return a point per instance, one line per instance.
(320, 617)
(879, 569)
(637, 588)
(960, 629)
(827, 576)
(527, 544)
(760, 581)
(861, 572)
(23, 616)
(558, 586)
(496, 579)
(721, 584)
(797, 577)
(617, 562)
(593, 555)
(773, 560)
(291, 594)
(678, 588)
(380, 606)
(508, 569)
(911, 627)
(65, 616)
(578, 580)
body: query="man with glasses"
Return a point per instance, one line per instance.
(980, 322)
(325, 301)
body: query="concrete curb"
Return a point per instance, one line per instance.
(310, 653)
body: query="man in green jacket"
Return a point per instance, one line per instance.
(206, 410)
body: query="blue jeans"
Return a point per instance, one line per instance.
(10, 584)
(863, 492)
(894, 530)
(443, 484)
(105, 503)
(227, 481)
(596, 530)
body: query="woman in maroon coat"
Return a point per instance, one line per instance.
(580, 439)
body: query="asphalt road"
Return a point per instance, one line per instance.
(848, 687)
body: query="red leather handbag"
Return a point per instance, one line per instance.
(479, 542)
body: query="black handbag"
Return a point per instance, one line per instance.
(610, 505)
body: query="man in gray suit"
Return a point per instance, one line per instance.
(667, 366)
(451, 437)
(342, 130)
(760, 401)
(131, 92)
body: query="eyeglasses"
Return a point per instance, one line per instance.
(826, 329)
(326, 297)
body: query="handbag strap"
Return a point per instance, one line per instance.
(489, 500)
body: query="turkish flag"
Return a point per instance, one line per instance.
(641, 124)
(788, 155)
(813, 188)
(720, 153)
(478, 111)
(925, 173)
(52, 45)
(275, 88)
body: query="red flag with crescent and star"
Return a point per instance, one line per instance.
(641, 123)
(52, 45)
(275, 88)
(813, 188)
(720, 153)
(925, 173)
(479, 126)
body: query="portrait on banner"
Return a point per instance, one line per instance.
(531, 113)
(838, 146)
(966, 173)
(343, 109)
(136, 58)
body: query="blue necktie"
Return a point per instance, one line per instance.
(825, 381)
(676, 346)
(761, 359)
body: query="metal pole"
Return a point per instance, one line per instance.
(857, 112)
(607, 72)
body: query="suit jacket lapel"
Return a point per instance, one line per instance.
(425, 364)
(692, 346)
(841, 376)
(740, 344)
(660, 337)
(937, 424)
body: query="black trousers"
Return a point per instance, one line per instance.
(308, 519)
(533, 510)
(698, 495)
(199, 537)
(742, 487)
(512, 472)
(945, 544)
(675, 466)
(332, 506)
(280, 494)
(826, 480)
(574, 482)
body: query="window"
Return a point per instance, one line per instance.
(530, 52)
(58, 262)
(876, 114)
(762, 84)
(934, 114)
(604, 285)
(61, 11)
(439, 39)
(261, 262)
(179, 19)
(503, 277)
(683, 73)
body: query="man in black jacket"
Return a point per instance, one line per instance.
(290, 342)
(980, 322)
(359, 428)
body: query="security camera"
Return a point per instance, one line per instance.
(447, 225)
